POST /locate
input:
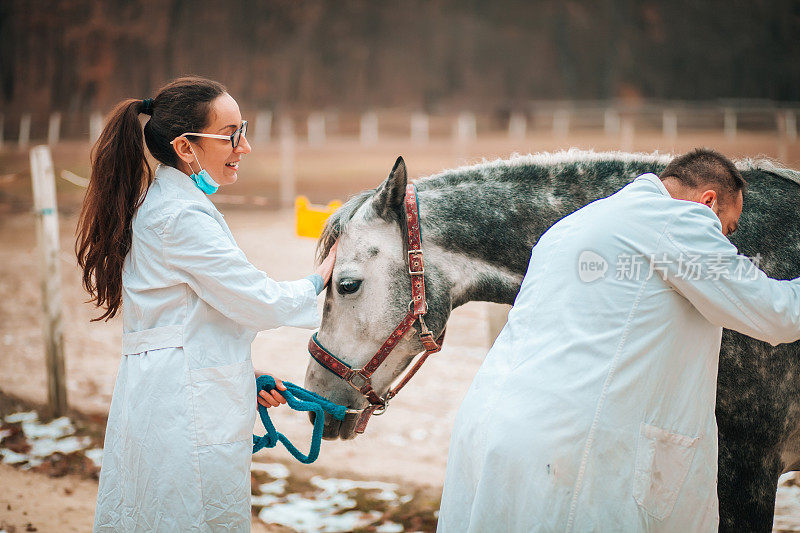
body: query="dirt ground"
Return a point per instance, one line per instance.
(408, 445)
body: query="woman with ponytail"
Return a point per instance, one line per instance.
(153, 247)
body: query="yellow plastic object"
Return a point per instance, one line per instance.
(310, 218)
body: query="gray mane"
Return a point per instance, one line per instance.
(514, 168)
(765, 164)
(558, 182)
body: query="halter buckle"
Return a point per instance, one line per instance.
(365, 380)
(411, 307)
(421, 270)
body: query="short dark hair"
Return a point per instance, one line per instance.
(703, 166)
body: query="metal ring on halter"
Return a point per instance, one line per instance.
(411, 304)
(380, 410)
(365, 380)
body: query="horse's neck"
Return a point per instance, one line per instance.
(481, 237)
(484, 220)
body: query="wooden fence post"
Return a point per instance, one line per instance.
(54, 129)
(790, 124)
(669, 124)
(263, 127)
(627, 132)
(611, 122)
(517, 126)
(730, 123)
(369, 128)
(24, 131)
(466, 128)
(419, 128)
(316, 129)
(560, 123)
(95, 127)
(287, 183)
(45, 210)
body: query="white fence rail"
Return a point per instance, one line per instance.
(558, 119)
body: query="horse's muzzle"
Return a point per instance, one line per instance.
(338, 429)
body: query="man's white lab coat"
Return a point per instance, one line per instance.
(594, 409)
(179, 437)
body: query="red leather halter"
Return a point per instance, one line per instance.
(360, 378)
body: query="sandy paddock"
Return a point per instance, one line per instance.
(408, 445)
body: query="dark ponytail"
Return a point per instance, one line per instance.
(121, 176)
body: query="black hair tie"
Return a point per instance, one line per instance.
(147, 106)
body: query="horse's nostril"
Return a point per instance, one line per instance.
(312, 416)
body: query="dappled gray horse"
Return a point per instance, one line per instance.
(478, 225)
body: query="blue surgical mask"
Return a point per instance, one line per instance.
(204, 182)
(203, 179)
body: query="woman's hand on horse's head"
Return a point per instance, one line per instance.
(272, 398)
(325, 269)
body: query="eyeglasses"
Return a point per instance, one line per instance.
(235, 137)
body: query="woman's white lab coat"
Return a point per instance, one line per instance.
(594, 409)
(179, 436)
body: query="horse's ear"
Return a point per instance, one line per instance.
(389, 196)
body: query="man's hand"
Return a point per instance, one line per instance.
(325, 269)
(272, 398)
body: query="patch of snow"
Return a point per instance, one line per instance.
(330, 510)
(274, 470)
(317, 515)
(388, 491)
(349, 521)
(390, 527)
(275, 488)
(30, 416)
(95, 455)
(12, 458)
(33, 462)
(60, 427)
(263, 500)
(45, 447)
(44, 439)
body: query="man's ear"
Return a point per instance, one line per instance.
(708, 197)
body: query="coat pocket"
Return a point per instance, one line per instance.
(224, 399)
(662, 463)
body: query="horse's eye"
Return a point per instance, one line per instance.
(349, 286)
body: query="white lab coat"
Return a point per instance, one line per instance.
(594, 409)
(179, 437)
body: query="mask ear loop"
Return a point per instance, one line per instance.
(172, 142)
(195, 157)
(202, 174)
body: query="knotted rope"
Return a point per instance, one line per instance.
(298, 399)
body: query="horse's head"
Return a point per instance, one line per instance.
(369, 295)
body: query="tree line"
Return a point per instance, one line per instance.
(82, 55)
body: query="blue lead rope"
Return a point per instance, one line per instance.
(298, 399)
